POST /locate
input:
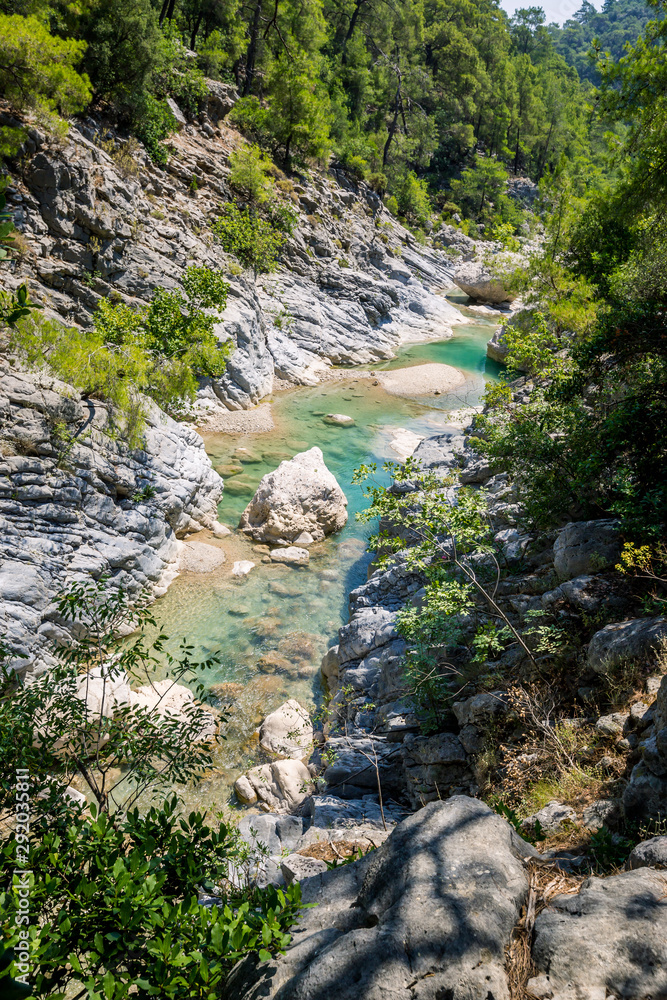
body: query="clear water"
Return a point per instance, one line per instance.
(296, 612)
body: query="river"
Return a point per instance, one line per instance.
(294, 613)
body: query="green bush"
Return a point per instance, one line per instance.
(412, 199)
(249, 173)
(153, 123)
(37, 68)
(124, 50)
(159, 351)
(254, 240)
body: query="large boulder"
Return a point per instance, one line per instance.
(428, 915)
(640, 639)
(586, 547)
(302, 495)
(610, 938)
(278, 788)
(166, 700)
(479, 282)
(650, 853)
(287, 732)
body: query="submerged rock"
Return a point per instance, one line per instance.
(197, 557)
(292, 555)
(301, 495)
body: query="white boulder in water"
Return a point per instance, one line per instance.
(301, 495)
(339, 419)
(287, 732)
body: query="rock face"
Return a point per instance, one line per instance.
(69, 505)
(479, 282)
(610, 937)
(586, 547)
(646, 793)
(429, 914)
(496, 348)
(93, 229)
(301, 495)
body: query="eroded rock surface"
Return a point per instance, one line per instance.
(72, 506)
(611, 936)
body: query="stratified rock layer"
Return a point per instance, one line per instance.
(71, 505)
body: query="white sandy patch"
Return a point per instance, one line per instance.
(421, 380)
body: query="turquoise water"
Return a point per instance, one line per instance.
(293, 614)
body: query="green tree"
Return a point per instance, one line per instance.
(37, 69)
(255, 240)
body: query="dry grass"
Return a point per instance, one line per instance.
(546, 882)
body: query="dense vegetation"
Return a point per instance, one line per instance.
(608, 30)
(409, 95)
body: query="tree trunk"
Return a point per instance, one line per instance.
(350, 31)
(392, 128)
(252, 50)
(195, 30)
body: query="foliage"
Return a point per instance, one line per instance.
(37, 69)
(607, 30)
(158, 351)
(254, 239)
(250, 174)
(452, 548)
(116, 890)
(482, 192)
(412, 199)
(123, 50)
(153, 123)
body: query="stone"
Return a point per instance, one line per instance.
(180, 118)
(287, 732)
(427, 915)
(584, 547)
(649, 854)
(434, 767)
(197, 557)
(480, 283)
(305, 538)
(292, 555)
(480, 708)
(640, 639)
(296, 867)
(646, 792)
(220, 530)
(601, 812)
(301, 495)
(612, 725)
(280, 787)
(404, 442)
(339, 419)
(330, 812)
(608, 937)
(552, 818)
(242, 567)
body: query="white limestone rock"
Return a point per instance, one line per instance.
(292, 555)
(280, 787)
(301, 495)
(287, 732)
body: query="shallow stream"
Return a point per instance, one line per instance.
(296, 612)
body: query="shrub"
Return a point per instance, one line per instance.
(255, 241)
(153, 122)
(37, 68)
(249, 173)
(158, 351)
(412, 199)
